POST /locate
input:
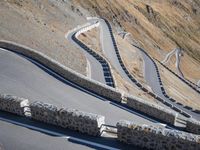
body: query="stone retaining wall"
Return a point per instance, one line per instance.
(193, 126)
(67, 73)
(152, 137)
(13, 104)
(151, 109)
(67, 118)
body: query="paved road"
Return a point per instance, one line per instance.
(152, 80)
(96, 68)
(177, 52)
(109, 49)
(28, 134)
(181, 77)
(22, 78)
(151, 75)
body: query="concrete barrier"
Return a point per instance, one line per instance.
(193, 126)
(13, 104)
(151, 109)
(67, 118)
(151, 137)
(67, 73)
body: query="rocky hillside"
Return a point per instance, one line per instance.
(158, 26)
(42, 24)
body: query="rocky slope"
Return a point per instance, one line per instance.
(42, 25)
(158, 26)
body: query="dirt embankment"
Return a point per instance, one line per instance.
(42, 25)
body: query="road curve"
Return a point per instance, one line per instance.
(151, 72)
(26, 78)
(18, 133)
(100, 68)
(176, 52)
(108, 48)
(96, 68)
(153, 79)
(23, 78)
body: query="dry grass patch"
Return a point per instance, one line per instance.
(42, 25)
(179, 90)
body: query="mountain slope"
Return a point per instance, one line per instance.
(157, 26)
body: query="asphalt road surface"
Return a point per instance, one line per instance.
(150, 71)
(21, 77)
(95, 67)
(18, 133)
(152, 80)
(109, 50)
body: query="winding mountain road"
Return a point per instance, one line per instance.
(24, 77)
(151, 73)
(108, 48)
(177, 53)
(95, 67)
(153, 79)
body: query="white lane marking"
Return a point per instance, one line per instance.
(88, 69)
(59, 134)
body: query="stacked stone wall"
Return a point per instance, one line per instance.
(67, 118)
(193, 126)
(67, 73)
(151, 137)
(152, 109)
(13, 104)
(91, 85)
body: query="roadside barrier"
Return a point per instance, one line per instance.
(13, 104)
(67, 73)
(67, 118)
(193, 126)
(152, 109)
(152, 137)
